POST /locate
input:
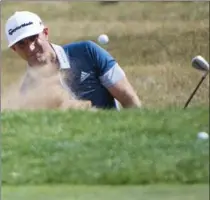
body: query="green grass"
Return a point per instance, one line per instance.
(64, 192)
(128, 147)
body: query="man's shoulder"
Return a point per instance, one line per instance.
(78, 45)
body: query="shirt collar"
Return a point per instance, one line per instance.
(62, 57)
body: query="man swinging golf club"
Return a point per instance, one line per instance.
(93, 74)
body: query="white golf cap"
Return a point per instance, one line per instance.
(22, 24)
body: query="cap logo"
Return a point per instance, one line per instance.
(11, 31)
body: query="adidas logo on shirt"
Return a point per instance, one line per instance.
(84, 76)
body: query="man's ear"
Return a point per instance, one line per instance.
(46, 32)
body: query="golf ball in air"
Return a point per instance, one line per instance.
(203, 135)
(103, 39)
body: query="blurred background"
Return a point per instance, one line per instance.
(154, 42)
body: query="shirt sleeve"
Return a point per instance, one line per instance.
(108, 69)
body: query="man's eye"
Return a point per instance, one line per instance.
(32, 38)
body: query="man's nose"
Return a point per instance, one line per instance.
(31, 46)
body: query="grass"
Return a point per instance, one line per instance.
(65, 192)
(130, 147)
(154, 42)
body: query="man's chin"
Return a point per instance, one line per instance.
(38, 63)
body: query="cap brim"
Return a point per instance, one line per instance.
(28, 34)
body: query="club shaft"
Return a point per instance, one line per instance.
(195, 90)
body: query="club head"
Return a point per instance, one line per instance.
(200, 63)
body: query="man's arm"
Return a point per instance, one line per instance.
(119, 86)
(113, 77)
(124, 93)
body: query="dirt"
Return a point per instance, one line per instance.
(43, 90)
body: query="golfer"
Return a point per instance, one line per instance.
(94, 75)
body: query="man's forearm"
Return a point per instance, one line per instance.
(131, 102)
(125, 94)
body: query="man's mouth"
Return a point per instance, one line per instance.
(35, 54)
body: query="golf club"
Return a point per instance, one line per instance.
(201, 64)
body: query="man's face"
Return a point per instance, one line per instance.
(35, 49)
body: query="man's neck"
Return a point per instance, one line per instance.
(53, 56)
(52, 60)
